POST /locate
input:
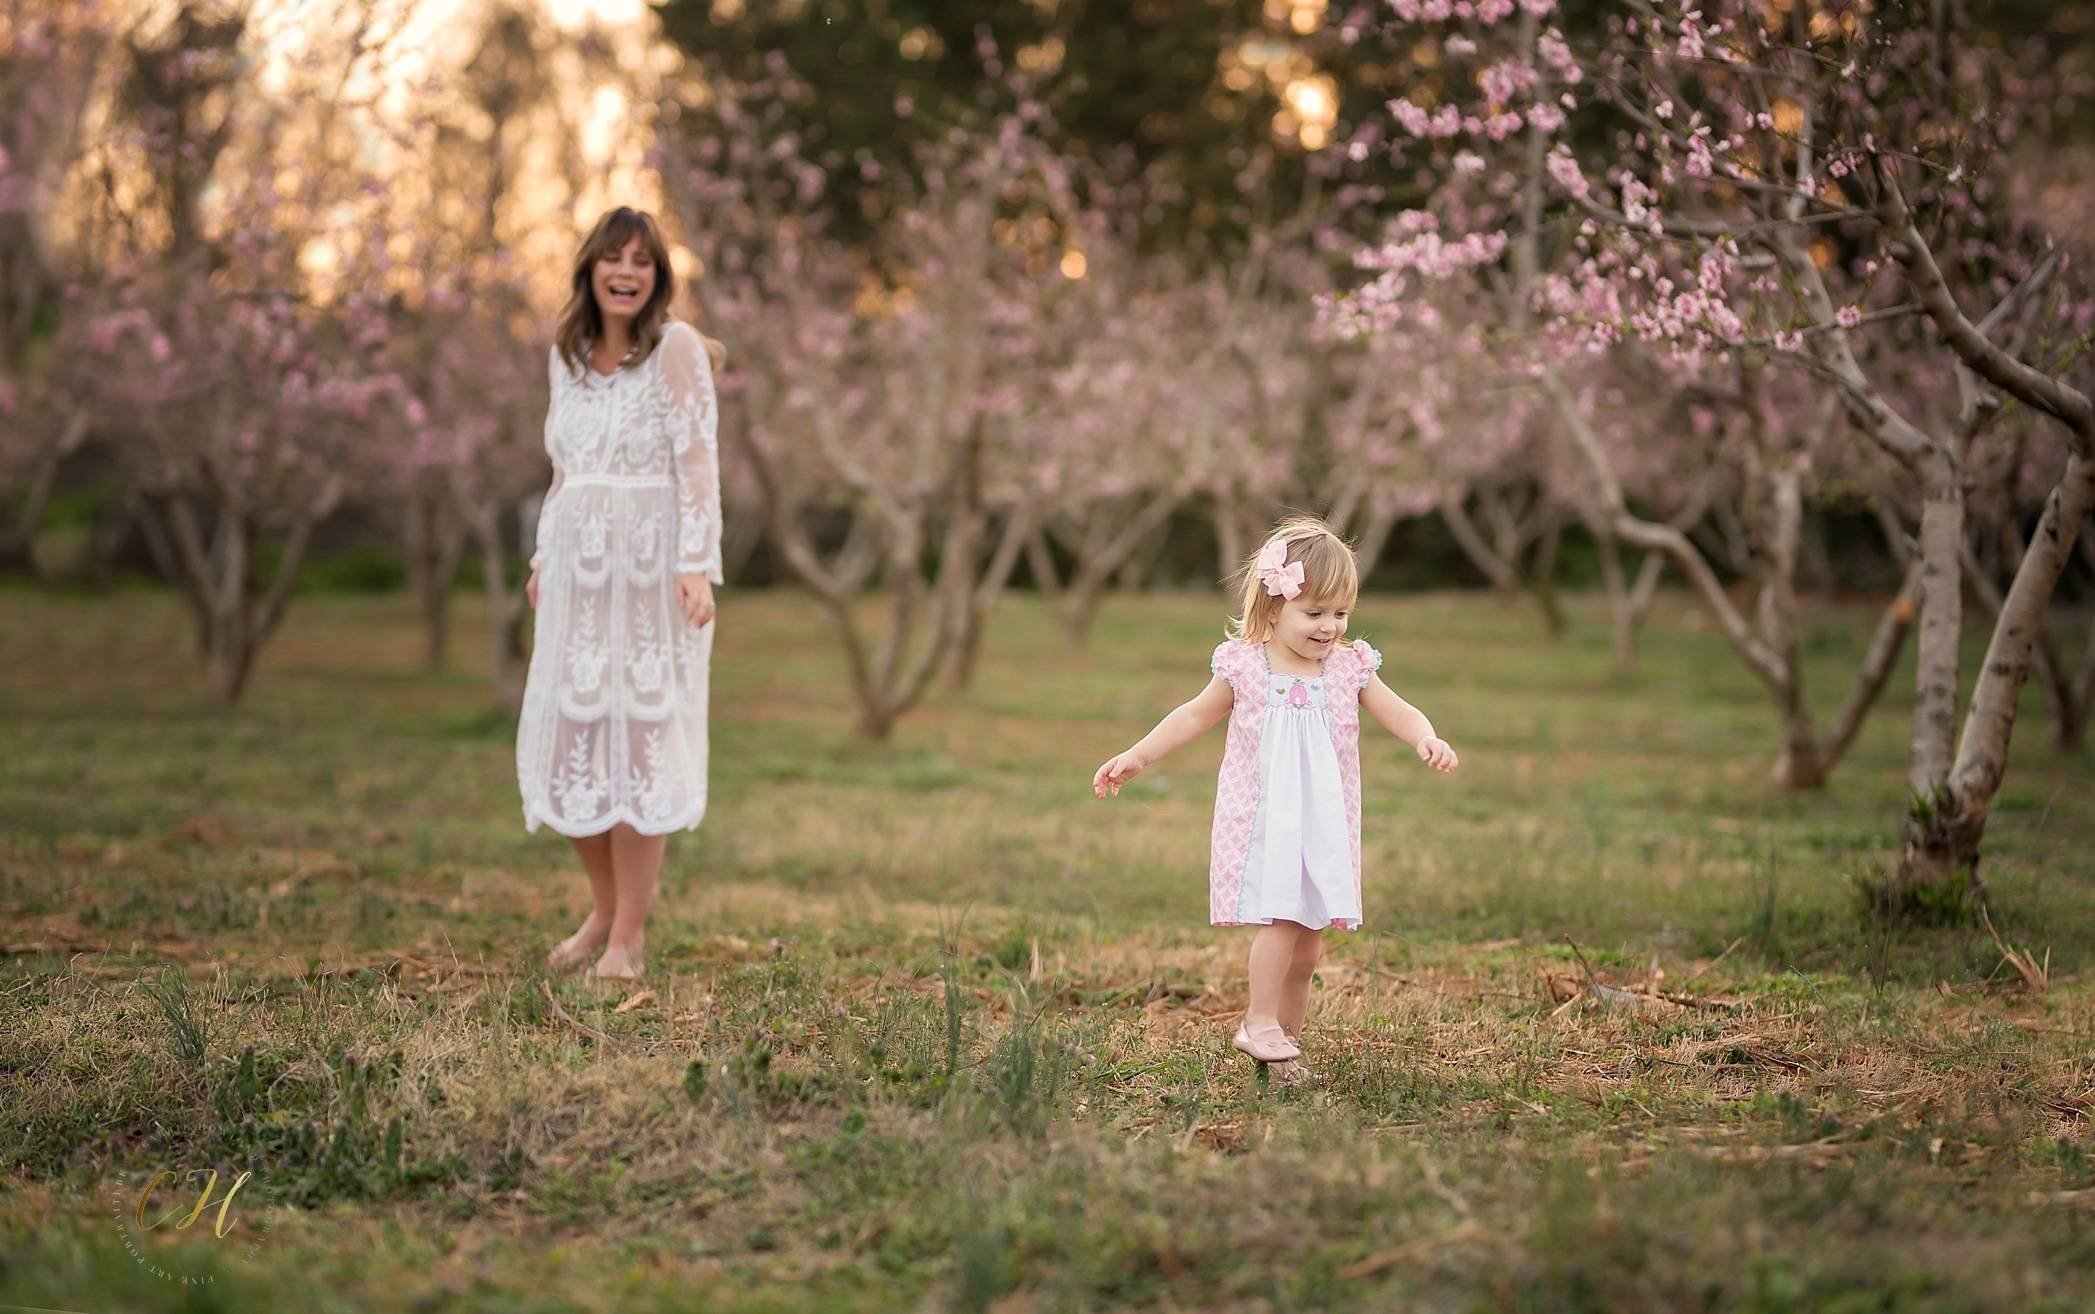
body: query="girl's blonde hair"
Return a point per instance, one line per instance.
(1330, 573)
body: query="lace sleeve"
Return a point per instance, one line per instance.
(556, 370)
(692, 416)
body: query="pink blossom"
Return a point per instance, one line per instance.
(1565, 172)
(1558, 55)
(1501, 126)
(1690, 46)
(1507, 79)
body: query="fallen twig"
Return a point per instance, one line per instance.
(1711, 965)
(1397, 1254)
(1817, 1152)
(568, 1018)
(2037, 979)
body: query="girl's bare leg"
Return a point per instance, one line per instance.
(595, 852)
(636, 860)
(1294, 990)
(1273, 952)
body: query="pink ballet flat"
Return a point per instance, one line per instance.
(1266, 1051)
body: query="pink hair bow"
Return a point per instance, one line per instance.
(1283, 578)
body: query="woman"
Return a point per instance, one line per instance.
(611, 748)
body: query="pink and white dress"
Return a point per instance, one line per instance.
(1286, 843)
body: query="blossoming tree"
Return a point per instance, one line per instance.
(1798, 185)
(229, 335)
(872, 385)
(56, 58)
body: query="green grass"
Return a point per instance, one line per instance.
(931, 1026)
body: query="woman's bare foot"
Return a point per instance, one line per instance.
(578, 947)
(619, 963)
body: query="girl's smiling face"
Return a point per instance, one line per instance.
(1311, 627)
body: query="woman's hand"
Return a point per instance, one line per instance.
(695, 596)
(531, 590)
(1116, 773)
(1437, 753)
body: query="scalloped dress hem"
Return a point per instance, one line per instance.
(533, 820)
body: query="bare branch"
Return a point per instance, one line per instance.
(2064, 403)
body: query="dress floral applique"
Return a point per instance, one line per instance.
(614, 719)
(1286, 841)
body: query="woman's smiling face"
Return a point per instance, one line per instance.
(623, 281)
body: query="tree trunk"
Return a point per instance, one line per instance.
(18, 545)
(960, 567)
(740, 537)
(1768, 644)
(1542, 579)
(222, 583)
(1941, 630)
(1040, 560)
(1472, 543)
(2084, 684)
(433, 540)
(1629, 622)
(1628, 603)
(508, 618)
(2065, 694)
(1616, 591)
(1133, 574)
(1798, 766)
(1374, 539)
(1100, 550)
(967, 649)
(1938, 862)
(1886, 642)
(890, 679)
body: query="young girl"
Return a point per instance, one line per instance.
(1286, 845)
(611, 747)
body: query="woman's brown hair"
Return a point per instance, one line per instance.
(582, 320)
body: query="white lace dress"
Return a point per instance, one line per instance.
(614, 720)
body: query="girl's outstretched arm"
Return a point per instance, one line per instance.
(1189, 720)
(1407, 723)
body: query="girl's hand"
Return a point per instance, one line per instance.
(1116, 773)
(531, 590)
(695, 596)
(1436, 752)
